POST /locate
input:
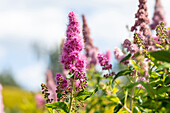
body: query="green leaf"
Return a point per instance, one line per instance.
(126, 57)
(69, 75)
(119, 106)
(121, 73)
(135, 110)
(58, 105)
(145, 84)
(58, 95)
(160, 46)
(50, 110)
(164, 65)
(83, 95)
(161, 55)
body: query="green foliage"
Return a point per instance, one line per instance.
(59, 106)
(122, 73)
(17, 100)
(83, 95)
(119, 106)
(126, 57)
(6, 78)
(161, 55)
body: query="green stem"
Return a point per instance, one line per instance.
(133, 90)
(71, 97)
(131, 99)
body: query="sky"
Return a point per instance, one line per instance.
(23, 22)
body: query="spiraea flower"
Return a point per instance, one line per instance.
(142, 22)
(1, 101)
(159, 15)
(119, 55)
(126, 44)
(145, 66)
(61, 82)
(90, 48)
(50, 84)
(39, 101)
(104, 61)
(133, 48)
(108, 55)
(72, 58)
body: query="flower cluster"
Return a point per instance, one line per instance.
(119, 55)
(46, 93)
(50, 84)
(90, 48)
(158, 15)
(1, 102)
(61, 82)
(104, 61)
(133, 48)
(71, 57)
(108, 55)
(162, 34)
(63, 87)
(142, 22)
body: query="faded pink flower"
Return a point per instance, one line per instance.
(1, 101)
(39, 101)
(145, 66)
(90, 48)
(141, 79)
(159, 15)
(108, 55)
(126, 44)
(119, 55)
(142, 22)
(51, 85)
(157, 40)
(133, 48)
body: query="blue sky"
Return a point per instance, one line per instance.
(23, 22)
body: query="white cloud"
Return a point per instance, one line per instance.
(46, 25)
(31, 77)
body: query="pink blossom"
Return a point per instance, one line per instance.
(1, 101)
(71, 57)
(104, 62)
(159, 15)
(157, 40)
(119, 55)
(141, 79)
(51, 85)
(108, 55)
(90, 48)
(126, 44)
(133, 48)
(39, 101)
(61, 82)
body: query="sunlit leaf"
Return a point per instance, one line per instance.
(161, 55)
(126, 57)
(83, 95)
(58, 105)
